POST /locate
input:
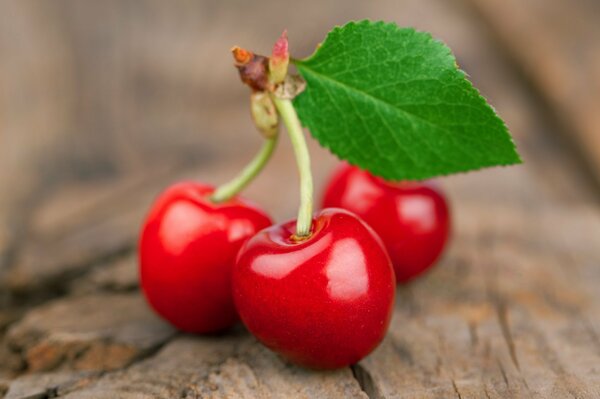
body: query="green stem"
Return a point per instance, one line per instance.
(237, 184)
(290, 119)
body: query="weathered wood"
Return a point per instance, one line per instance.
(491, 321)
(49, 385)
(97, 332)
(513, 309)
(233, 366)
(116, 275)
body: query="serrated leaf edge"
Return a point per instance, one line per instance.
(301, 62)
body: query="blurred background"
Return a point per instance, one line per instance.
(103, 104)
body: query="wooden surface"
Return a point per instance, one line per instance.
(102, 104)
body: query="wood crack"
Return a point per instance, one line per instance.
(485, 391)
(366, 382)
(503, 372)
(589, 328)
(57, 286)
(456, 388)
(65, 388)
(77, 383)
(499, 305)
(502, 314)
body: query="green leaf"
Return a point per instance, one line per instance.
(394, 102)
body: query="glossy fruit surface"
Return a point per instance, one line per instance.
(187, 249)
(412, 219)
(322, 302)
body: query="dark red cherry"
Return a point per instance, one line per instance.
(412, 219)
(324, 301)
(187, 249)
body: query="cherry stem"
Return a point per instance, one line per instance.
(238, 183)
(290, 119)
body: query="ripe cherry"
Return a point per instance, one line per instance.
(412, 219)
(187, 249)
(324, 301)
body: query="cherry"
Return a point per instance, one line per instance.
(324, 301)
(187, 249)
(412, 219)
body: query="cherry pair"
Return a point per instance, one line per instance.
(324, 300)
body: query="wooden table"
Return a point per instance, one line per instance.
(105, 103)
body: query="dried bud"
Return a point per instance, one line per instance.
(291, 86)
(264, 114)
(252, 68)
(280, 59)
(241, 56)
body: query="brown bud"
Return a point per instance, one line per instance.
(253, 68)
(241, 56)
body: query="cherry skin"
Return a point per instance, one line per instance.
(323, 302)
(187, 250)
(412, 219)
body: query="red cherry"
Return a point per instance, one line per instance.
(187, 250)
(412, 219)
(324, 301)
